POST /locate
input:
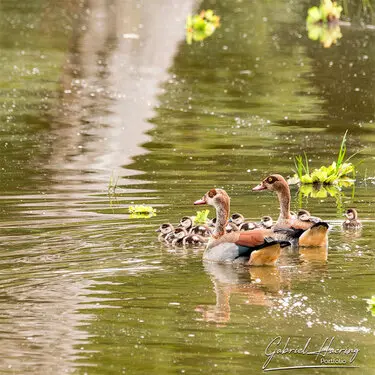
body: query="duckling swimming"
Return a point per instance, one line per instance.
(352, 221)
(179, 234)
(240, 222)
(165, 230)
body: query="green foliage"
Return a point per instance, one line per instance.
(322, 23)
(371, 305)
(141, 211)
(340, 172)
(201, 217)
(201, 26)
(328, 11)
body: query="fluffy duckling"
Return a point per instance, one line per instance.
(165, 230)
(305, 216)
(231, 227)
(186, 222)
(211, 222)
(352, 221)
(194, 240)
(266, 222)
(239, 221)
(179, 234)
(201, 230)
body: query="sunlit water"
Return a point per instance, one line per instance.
(90, 92)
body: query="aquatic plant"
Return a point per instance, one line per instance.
(141, 211)
(326, 34)
(371, 305)
(201, 217)
(112, 184)
(322, 23)
(340, 172)
(201, 26)
(328, 11)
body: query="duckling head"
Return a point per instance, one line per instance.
(237, 219)
(303, 215)
(351, 214)
(186, 222)
(273, 182)
(165, 228)
(266, 221)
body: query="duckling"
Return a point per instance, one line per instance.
(186, 222)
(239, 220)
(165, 230)
(194, 240)
(352, 222)
(266, 222)
(231, 227)
(201, 230)
(305, 216)
(179, 234)
(211, 222)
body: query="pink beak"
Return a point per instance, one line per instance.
(200, 201)
(260, 187)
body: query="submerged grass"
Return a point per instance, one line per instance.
(339, 172)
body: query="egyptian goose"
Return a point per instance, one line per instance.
(166, 230)
(239, 220)
(308, 234)
(228, 247)
(352, 222)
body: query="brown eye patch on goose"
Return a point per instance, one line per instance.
(271, 179)
(212, 193)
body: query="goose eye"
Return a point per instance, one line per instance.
(270, 180)
(212, 193)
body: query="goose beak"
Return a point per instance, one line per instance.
(158, 230)
(260, 187)
(200, 201)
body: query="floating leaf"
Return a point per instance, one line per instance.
(201, 26)
(201, 217)
(142, 209)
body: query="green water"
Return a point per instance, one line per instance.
(87, 93)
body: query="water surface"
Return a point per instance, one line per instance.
(110, 88)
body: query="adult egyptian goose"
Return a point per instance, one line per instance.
(165, 230)
(239, 220)
(308, 234)
(252, 246)
(352, 221)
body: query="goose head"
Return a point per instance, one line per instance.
(217, 198)
(266, 221)
(273, 182)
(351, 214)
(237, 219)
(165, 228)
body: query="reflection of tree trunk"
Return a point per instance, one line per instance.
(119, 56)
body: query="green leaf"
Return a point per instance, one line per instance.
(201, 217)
